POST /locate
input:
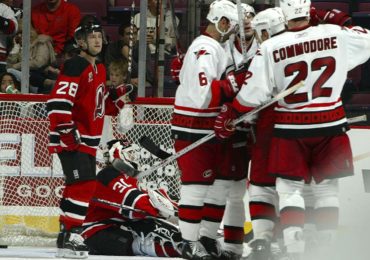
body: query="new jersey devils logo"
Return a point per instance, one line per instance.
(99, 102)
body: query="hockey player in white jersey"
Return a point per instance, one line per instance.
(197, 103)
(262, 193)
(227, 192)
(310, 141)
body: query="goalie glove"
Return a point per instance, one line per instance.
(70, 138)
(126, 119)
(123, 94)
(159, 198)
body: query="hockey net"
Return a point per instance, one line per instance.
(31, 180)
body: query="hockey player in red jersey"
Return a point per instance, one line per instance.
(76, 110)
(310, 125)
(125, 220)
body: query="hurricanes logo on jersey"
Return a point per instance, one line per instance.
(200, 53)
(99, 102)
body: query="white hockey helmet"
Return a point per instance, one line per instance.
(223, 8)
(272, 20)
(248, 9)
(295, 8)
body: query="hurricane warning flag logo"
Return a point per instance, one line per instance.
(200, 53)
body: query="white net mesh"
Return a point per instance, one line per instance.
(31, 180)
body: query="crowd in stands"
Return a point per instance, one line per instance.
(51, 43)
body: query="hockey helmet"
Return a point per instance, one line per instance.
(88, 24)
(293, 9)
(248, 9)
(272, 20)
(223, 8)
(123, 155)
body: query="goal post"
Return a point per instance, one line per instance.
(31, 180)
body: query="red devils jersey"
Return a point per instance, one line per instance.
(80, 97)
(118, 188)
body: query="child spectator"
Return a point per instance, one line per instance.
(9, 84)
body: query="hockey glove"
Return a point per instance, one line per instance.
(161, 201)
(123, 94)
(176, 65)
(223, 127)
(333, 16)
(70, 138)
(233, 82)
(7, 26)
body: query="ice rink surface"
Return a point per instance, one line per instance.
(352, 244)
(13, 253)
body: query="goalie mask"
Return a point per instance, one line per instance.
(123, 156)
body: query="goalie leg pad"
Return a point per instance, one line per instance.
(155, 237)
(110, 241)
(78, 166)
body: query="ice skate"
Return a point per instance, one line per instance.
(194, 250)
(71, 245)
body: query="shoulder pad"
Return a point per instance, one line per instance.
(75, 66)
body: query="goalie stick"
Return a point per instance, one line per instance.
(124, 207)
(208, 137)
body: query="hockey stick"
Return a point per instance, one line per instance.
(154, 149)
(120, 206)
(130, 43)
(208, 137)
(124, 207)
(241, 30)
(357, 119)
(147, 143)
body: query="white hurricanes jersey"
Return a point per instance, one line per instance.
(197, 101)
(320, 56)
(236, 55)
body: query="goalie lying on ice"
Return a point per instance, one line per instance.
(124, 220)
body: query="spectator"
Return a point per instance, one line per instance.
(117, 72)
(9, 84)
(119, 50)
(8, 26)
(151, 20)
(42, 56)
(58, 19)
